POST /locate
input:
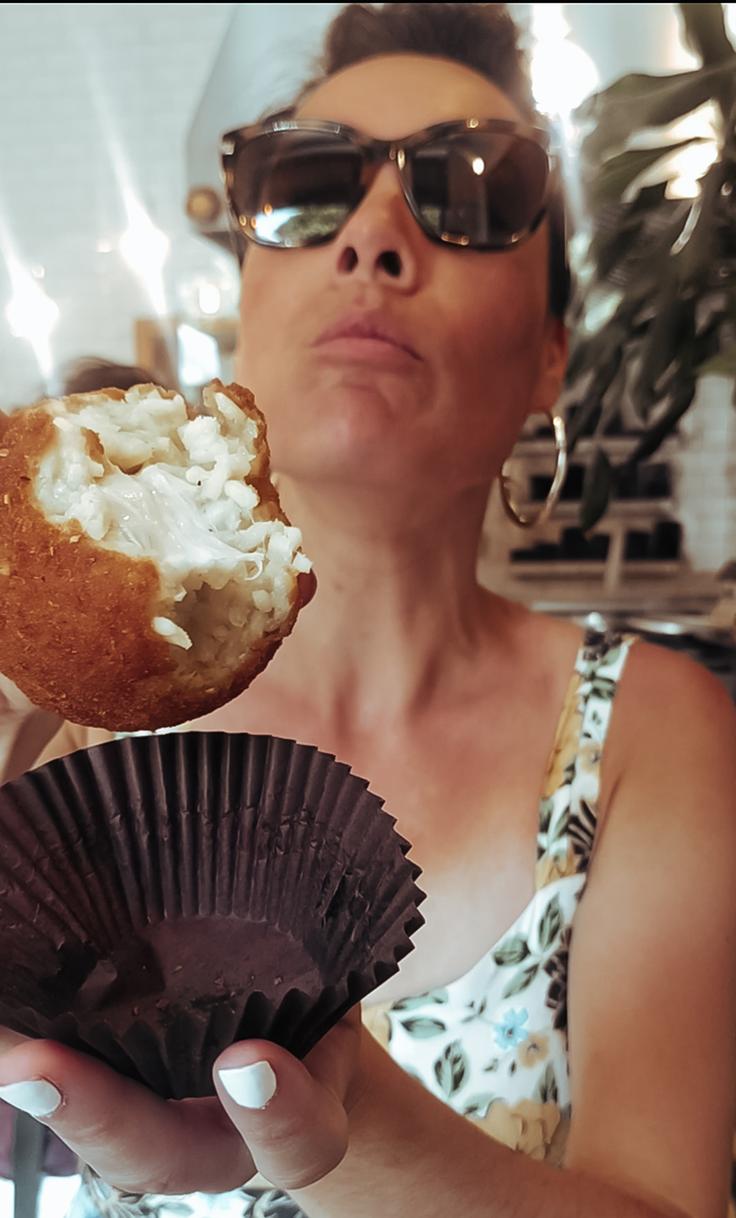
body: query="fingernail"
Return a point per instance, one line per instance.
(250, 1086)
(38, 1098)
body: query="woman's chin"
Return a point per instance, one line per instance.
(345, 432)
(334, 466)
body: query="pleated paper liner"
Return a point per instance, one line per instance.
(164, 896)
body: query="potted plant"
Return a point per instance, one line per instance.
(660, 272)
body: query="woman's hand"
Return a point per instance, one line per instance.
(24, 730)
(293, 1116)
(273, 1114)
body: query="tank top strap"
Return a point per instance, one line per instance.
(568, 810)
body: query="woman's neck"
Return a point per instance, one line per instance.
(398, 618)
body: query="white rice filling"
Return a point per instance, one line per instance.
(173, 489)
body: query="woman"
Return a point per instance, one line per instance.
(396, 371)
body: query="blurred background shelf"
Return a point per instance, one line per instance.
(616, 446)
(581, 568)
(644, 509)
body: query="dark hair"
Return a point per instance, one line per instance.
(88, 374)
(479, 36)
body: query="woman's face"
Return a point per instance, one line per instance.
(485, 350)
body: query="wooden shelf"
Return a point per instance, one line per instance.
(579, 569)
(619, 509)
(611, 577)
(615, 446)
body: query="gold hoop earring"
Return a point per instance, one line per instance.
(544, 513)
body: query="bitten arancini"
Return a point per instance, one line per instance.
(147, 571)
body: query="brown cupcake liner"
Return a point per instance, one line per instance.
(164, 896)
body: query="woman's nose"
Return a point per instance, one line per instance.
(380, 242)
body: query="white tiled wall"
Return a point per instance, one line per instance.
(706, 476)
(93, 96)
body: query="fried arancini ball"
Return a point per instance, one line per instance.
(147, 571)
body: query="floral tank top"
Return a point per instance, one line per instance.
(493, 1044)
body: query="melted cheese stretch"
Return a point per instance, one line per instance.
(172, 489)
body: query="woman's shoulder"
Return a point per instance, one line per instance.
(673, 731)
(665, 711)
(653, 682)
(667, 691)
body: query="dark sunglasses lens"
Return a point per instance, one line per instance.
(292, 188)
(479, 188)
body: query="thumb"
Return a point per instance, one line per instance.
(291, 1114)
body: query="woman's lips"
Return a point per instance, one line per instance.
(368, 340)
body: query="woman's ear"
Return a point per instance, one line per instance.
(552, 365)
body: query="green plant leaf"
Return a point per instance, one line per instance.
(705, 31)
(451, 1070)
(587, 413)
(654, 435)
(698, 242)
(605, 359)
(613, 401)
(598, 484)
(617, 233)
(639, 100)
(421, 1028)
(671, 262)
(521, 981)
(649, 197)
(670, 334)
(618, 172)
(512, 951)
(643, 257)
(583, 348)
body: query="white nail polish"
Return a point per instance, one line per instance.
(250, 1086)
(38, 1098)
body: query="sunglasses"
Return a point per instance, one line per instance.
(483, 184)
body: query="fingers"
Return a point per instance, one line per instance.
(334, 1059)
(291, 1114)
(9, 1039)
(129, 1136)
(284, 1117)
